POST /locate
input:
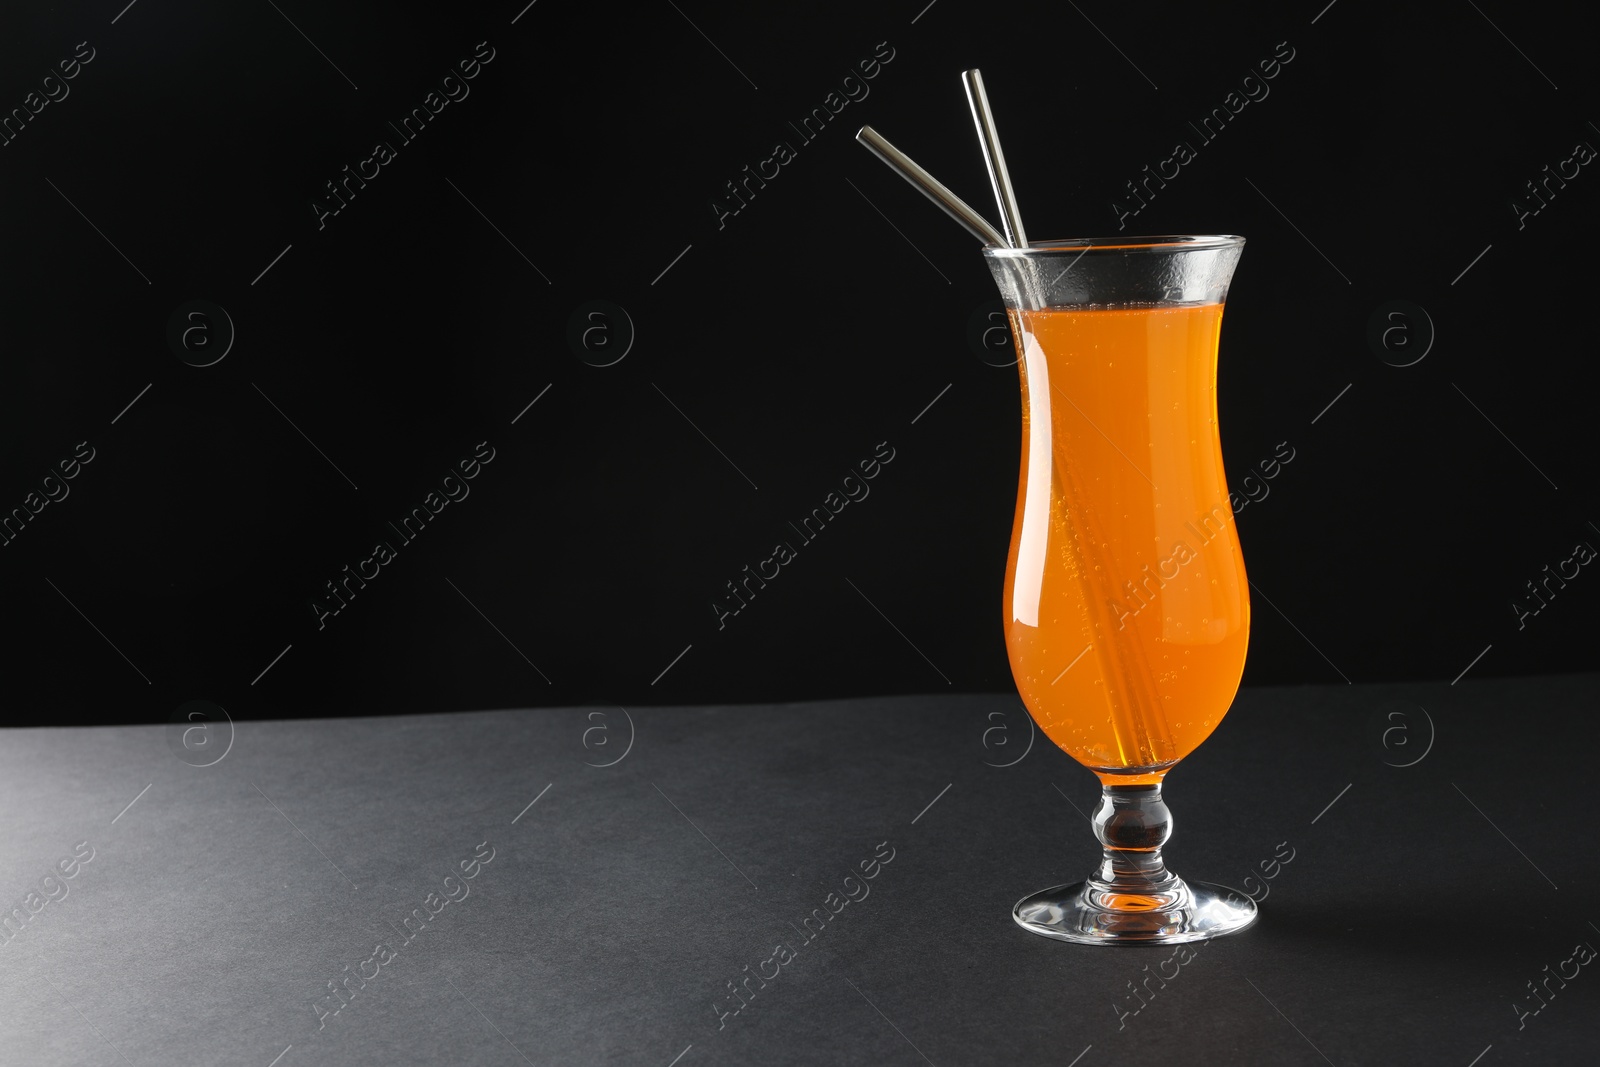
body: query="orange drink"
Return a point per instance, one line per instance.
(1127, 610)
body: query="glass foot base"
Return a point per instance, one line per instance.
(1089, 915)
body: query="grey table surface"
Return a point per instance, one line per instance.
(641, 861)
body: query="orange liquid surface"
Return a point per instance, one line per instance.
(1128, 612)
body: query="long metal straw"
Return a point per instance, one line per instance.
(930, 187)
(994, 159)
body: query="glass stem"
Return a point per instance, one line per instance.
(1132, 823)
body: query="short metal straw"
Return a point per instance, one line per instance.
(930, 187)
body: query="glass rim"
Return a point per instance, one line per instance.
(1081, 245)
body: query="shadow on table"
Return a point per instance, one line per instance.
(1479, 932)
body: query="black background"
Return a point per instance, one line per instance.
(797, 337)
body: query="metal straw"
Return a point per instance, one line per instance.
(994, 159)
(930, 187)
